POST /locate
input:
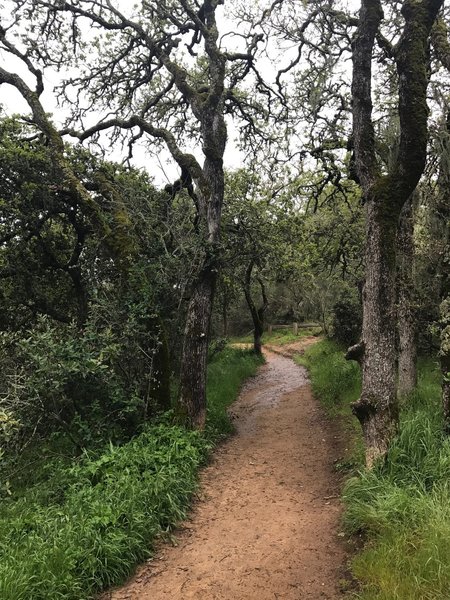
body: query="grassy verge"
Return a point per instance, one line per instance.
(403, 506)
(337, 383)
(86, 526)
(279, 336)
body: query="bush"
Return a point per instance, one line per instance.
(58, 379)
(87, 384)
(347, 319)
(85, 526)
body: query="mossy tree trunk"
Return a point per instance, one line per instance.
(445, 361)
(376, 408)
(385, 195)
(208, 107)
(442, 261)
(444, 353)
(225, 318)
(406, 326)
(192, 399)
(159, 389)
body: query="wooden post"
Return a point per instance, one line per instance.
(270, 329)
(295, 328)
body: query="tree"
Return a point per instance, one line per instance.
(153, 90)
(259, 229)
(442, 49)
(385, 194)
(406, 319)
(107, 354)
(439, 231)
(43, 235)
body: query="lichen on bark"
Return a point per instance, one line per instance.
(444, 354)
(385, 196)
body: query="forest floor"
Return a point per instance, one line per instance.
(266, 524)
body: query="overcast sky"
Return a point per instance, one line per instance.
(162, 169)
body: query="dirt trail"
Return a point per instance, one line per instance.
(267, 522)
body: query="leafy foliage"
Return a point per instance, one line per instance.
(87, 384)
(83, 527)
(401, 506)
(347, 318)
(82, 329)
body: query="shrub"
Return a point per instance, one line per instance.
(84, 526)
(84, 383)
(347, 319)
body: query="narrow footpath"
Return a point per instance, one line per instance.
(266, 524)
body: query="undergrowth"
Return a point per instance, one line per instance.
(337, 383)
(84, 527)
(402, 507)
(280, 337)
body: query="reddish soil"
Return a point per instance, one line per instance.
(266, 524)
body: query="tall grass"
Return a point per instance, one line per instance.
(337, 383)
(334, 380)
(226, 372)
(402, 506)
(86, 527)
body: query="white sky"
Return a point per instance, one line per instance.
(162, 170)
(14, 103)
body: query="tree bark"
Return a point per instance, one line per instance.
(442, 271)
(407, 350)
(377, 407)
(192, 401)
(225, 318)
(209, 110)
(385, 196)
(445, 361)
(160, 385)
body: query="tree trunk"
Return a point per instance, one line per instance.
(160, 387)
(192, 401)
(257, 339)
(225, 318)
(385, 195)
(407, 357)
(445, 361)
(377, 408)
(442, 271)
(225, 322)
(444, 352)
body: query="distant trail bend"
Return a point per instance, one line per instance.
(267, 524)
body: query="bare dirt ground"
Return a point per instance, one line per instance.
(266, 525)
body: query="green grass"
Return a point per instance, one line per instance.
(226, 372)
(279, 337)
(85, 527)
(402, 507)
(336, 382)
